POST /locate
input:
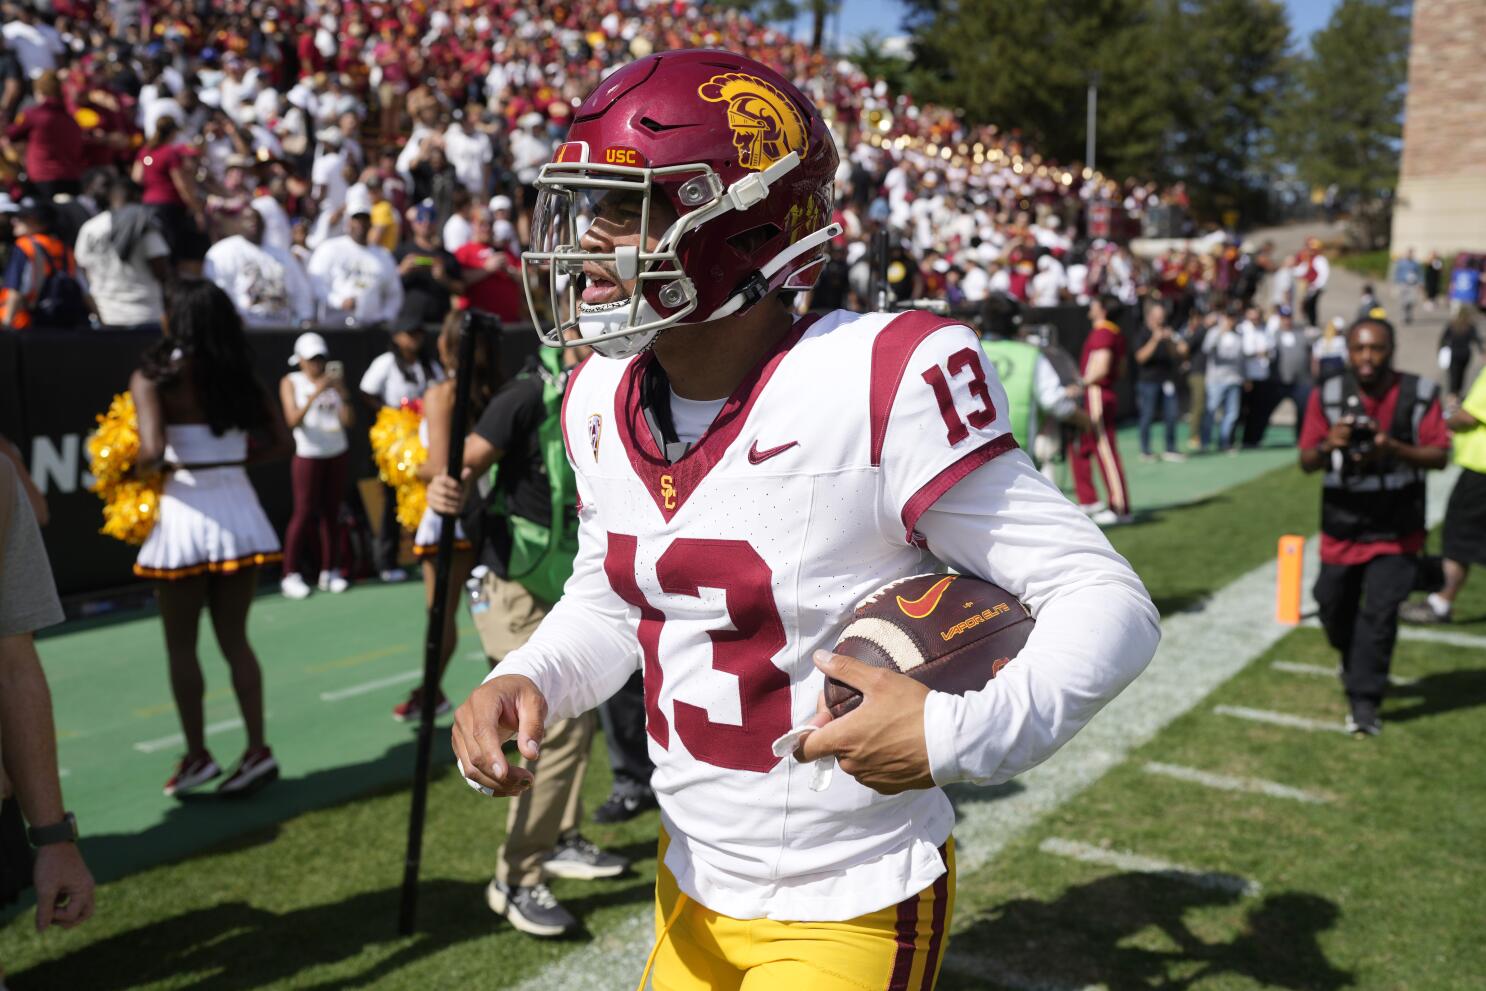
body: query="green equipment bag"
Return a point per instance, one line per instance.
(542, 556)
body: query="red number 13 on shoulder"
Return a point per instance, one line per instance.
(978, 418)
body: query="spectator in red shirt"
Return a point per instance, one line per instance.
(166, 173)
(54, 141)
(1374, 432)
(492, 275)
(1100, 367)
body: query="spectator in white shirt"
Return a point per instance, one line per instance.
(469, 151)
(1049, 282)
(265, 283)
(125, 259)
(36, 45)
(458, 231)
(1258, 353)
(353, 279)
(502, 231)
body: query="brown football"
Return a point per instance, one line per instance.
(952, 633)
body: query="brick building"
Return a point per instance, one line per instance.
(1442, 182)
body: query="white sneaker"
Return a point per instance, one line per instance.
(1090, 508)
(394, 575)
(332, 581)
(1108, 517)
(294, 586)
(1176, 457)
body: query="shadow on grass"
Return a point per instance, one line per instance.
(208, 822)
(1438, 693)
(1082, 938)
(239, 946)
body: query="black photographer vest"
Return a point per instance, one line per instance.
(1383, 500)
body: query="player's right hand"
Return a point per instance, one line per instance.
(505, 706)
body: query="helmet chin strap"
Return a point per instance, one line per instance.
(755, 288)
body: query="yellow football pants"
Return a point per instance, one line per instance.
(898, 948)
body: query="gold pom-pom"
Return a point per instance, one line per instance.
(398, 451)
(130, 505)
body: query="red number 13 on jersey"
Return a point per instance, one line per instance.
(746, 652)
(982, 416)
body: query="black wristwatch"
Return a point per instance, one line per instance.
(62, 832)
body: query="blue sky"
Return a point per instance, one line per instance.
(883, 16)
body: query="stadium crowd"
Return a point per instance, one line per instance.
(299, 153)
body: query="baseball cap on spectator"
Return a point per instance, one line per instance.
(308, 345)
(426, 212)
(329, 135)
(531, 119)
(500, 203)
(8, 205)
(358, 201)
(1285, 311)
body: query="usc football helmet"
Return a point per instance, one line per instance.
(742, 159)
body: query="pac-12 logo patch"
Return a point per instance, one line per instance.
(595, 429)
(766, 124)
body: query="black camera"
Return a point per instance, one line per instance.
(1364, 439)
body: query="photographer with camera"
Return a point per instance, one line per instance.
(1374, 432)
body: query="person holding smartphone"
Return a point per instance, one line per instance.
(317, 407)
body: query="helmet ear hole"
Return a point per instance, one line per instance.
(751, 240)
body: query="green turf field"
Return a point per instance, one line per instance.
(1369, 884)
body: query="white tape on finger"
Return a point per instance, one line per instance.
(473, 784)
(821, 770)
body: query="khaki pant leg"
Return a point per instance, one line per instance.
(539, 816)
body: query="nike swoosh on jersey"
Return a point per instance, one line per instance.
(923, 605)
(757, 457)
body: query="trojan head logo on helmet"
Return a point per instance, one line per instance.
(766, 126)
(692, 185)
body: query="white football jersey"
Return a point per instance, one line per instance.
(739, 560)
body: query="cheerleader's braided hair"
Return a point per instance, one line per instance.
(206, 347)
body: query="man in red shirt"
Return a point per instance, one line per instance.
(1374, 432)
(492, 275)
(1100, 367)
(54, 141)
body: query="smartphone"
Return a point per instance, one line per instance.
(335, 369)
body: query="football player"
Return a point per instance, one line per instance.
(745, 478)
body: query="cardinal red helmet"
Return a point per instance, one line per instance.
(743, 159)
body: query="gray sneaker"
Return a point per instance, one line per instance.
(1422, 613)
(532, 910)
(578, 859)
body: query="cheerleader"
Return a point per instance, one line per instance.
(197, 400)
(438, 412)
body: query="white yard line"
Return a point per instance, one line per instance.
(1199, 651)
(369, 686)
(1280, 719)
(177, 740)
(1441, 636)
(1427, 635)
(1226, 782)
(1322, 671)
(1125, 860)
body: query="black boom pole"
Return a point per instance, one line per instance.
(433, 642)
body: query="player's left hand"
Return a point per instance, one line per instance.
(880, 742)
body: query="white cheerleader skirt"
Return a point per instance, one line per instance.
(426, 539)
(210, 520)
